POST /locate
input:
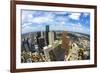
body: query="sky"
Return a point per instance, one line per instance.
(36, 20)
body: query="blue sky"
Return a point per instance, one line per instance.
(36, 20)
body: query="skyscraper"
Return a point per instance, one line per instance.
(65, 42)
(47, 36)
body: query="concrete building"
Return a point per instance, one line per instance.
(65, 42)
(51, 38)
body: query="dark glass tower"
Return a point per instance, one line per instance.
(47, 33)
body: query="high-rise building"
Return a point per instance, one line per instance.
(46, 35)
(65, 42)
(51, 38)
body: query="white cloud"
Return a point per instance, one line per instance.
(26, 24)
(79, 28)
(63, 22)
(85, 14)
(75, 16)
(61, 18)
(26, 15)
(60, 13)
(27, 29)
(33, 28)
(41, 20)
(30, 16)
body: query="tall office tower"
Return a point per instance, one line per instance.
(38, 36)
(54, 35)
(30, 36)
(65, 42)
(42, 35)
(51, 38)
(47, 36)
